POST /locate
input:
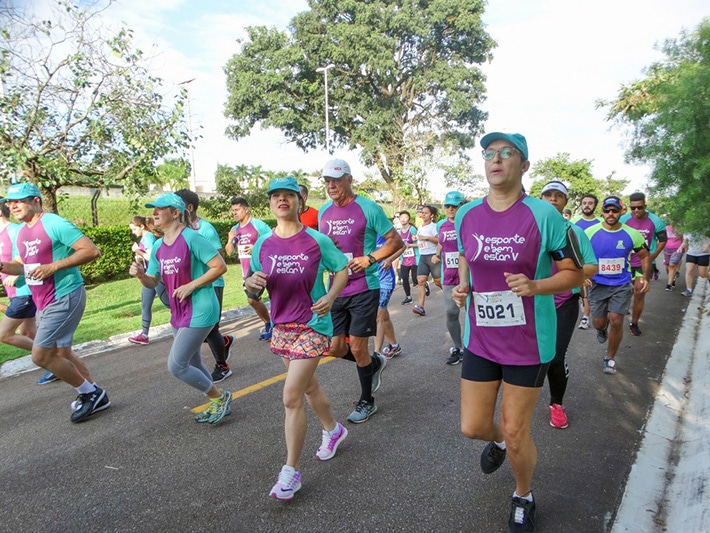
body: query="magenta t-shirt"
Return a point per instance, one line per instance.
(449, 252)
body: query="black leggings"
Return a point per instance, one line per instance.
(558, 372)
(404, 273)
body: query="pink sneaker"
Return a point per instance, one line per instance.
(558, 418)
(139, 339)
(330, 442)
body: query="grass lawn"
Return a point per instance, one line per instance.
(115, 307)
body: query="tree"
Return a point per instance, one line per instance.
(79, 106)
(576, 175)
(668, 116)
(403, 69)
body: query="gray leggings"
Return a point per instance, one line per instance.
(147, 298)
(184, 360)
(453, 325)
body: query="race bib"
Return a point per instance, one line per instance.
(409, 252)
(29, 267)
(498, 309)
(349, 256)
(242, 251)
(611, 266)
(451, 259)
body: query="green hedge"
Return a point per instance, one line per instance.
(116, 255)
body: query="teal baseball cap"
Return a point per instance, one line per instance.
(20, 191)
(284, 184)
(454, 198)
(517, 140)
(168, 199)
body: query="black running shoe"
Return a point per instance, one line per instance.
(492, 458)
(427, 291)
(90, 403)
(407, 300)
(220, 373)
(634, 329)
(455, 357)
(601, 336)
(522, 516)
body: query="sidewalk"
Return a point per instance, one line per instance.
(667, 489)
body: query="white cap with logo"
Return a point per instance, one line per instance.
(336, 168)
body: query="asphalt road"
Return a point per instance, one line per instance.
(145, 465)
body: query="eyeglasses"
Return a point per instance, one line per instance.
(505, 153)
(637, 207)
(614, 210)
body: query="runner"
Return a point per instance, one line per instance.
(145, 231)
(188, 265)
(385, 327)
(508, 242)
(220, 345)
(49, 250)
(447, 253)
(586, 219)
(697, 257)
(653, 230)
(410, 257)
(672, 256)
(428, 241)
(567, 310)
(18, 327)
(353, 223)
(610, 293)
(290, 263)
(309, 217)
(241, 239)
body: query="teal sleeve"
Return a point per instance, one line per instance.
(255, 263)
(585, 246)
(333, 259)
(153, 269)
(200, 247)
(261, 227)
(376, 217)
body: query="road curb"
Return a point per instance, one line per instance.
(664, 491)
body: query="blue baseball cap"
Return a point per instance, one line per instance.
(555, 185)
(515, 139)
(168, 199)
(611, 201)
(454, 198)
(284, 184)
(20, 191)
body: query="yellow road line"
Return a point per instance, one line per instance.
(257, 386)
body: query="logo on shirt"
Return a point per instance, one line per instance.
(288, 264)
(498, 248)
(32, 247)
(448, 235)
(170, 266)
(340, 227)
(620, 245)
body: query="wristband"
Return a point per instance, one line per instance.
(371, 258)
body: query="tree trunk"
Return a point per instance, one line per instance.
(94, 207)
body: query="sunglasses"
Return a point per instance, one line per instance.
(614, 210)
(637, 207)
(505, 153)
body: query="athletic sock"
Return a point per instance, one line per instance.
(501, 445)
(86, 388)
(349, 356)
(364, 373)
(528, 496)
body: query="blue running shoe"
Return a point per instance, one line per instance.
(265, 334)
(47, 378)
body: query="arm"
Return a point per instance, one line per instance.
(325, 303)
(460, 292)
(645, 257)
(217, 268)
(387, 261)
(662, 241)
(568, 276)
(229, 247)
(137, 270)
(85, 251)
(393, 242)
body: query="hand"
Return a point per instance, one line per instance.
(520, 284)
(137, 268)
(435, 259)
(42, 272)
(386, 264)
(322, 306)
(10, 281)
(256, 282)
(183, 292)
(358, 264)
(135, 247)
(644, 285)
(460, 293)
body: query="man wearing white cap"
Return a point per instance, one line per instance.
(567, 309)
(353, 223)
(49, 250)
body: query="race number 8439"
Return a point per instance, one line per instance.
(498, 309)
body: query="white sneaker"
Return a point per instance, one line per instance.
(288, 484)
(584, 323)
(329, 444)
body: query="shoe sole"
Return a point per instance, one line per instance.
(335, 448)
(559, 427)
(453, 363)
(378, 373)
(364, 419)
(276, 497)
(417, 312)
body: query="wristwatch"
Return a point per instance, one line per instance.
(371, 259)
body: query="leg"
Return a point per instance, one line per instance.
(388, 327)
(478, 404)
(185, 362)
(404, 276)
(453, 324)
(28, 328)
(8, 335)
(300, 372)
(421, 291)
(616, 333)
(558, 372)
(689, 274)
(261, 311)
(380, 335)
(639, 299)
(517, 405)
(147, 299)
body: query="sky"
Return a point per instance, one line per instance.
(554, 60)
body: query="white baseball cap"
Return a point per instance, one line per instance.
(336, 168)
